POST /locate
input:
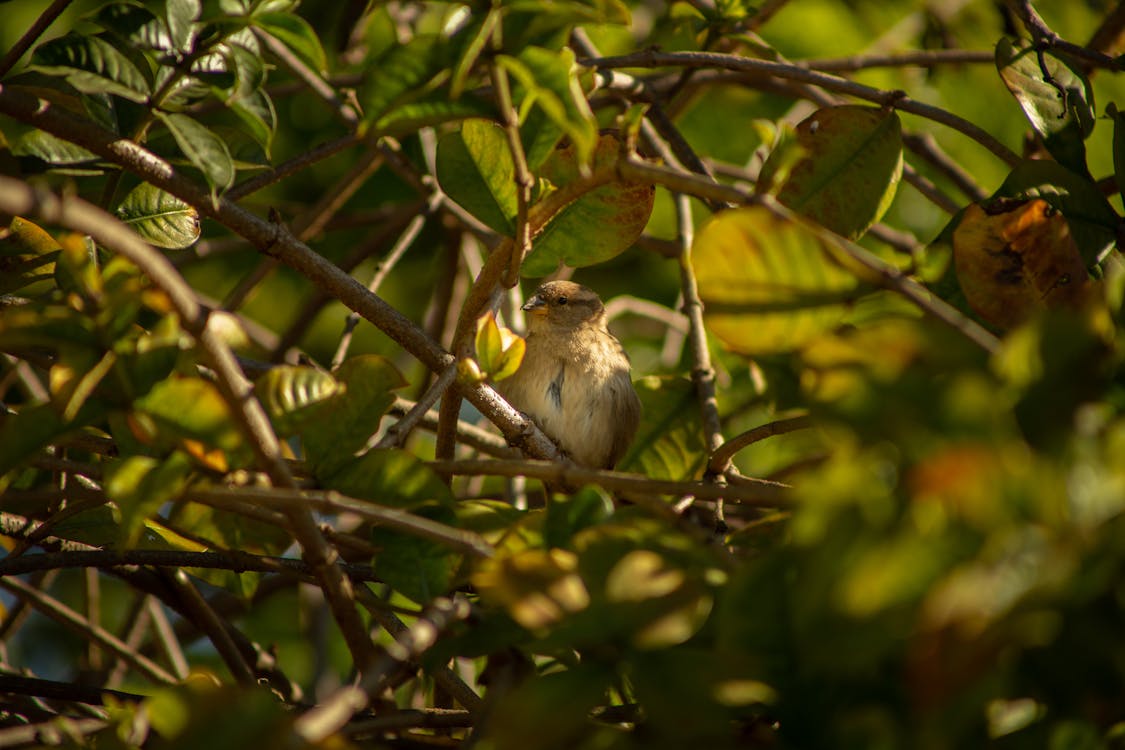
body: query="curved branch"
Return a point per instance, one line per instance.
(721, 458)
(896, 99)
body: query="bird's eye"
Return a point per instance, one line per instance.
(561, 300)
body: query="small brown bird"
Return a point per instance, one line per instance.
(574, 379)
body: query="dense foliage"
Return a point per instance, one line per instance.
(256, 485)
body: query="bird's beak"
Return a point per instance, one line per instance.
(536, 305)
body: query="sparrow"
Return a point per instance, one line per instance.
(574, 379)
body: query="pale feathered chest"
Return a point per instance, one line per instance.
(577, 388)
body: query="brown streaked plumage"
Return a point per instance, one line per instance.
(574, 380)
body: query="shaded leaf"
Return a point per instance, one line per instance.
(64, 156)
(161, 218)
(474, 167)
(417, 568)
(1014, 259)
(180, 15)
(1093, 221)
(92, 65)
(390, 477)
(669, 442)
(1055, 96)
(767, 285)
(343, 424)
(140, 485)
(597, 226)
(135, 25)
(402, 74)
(848, 170)
(296, 34)
(205, 150)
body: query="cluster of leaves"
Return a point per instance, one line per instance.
(943, 566)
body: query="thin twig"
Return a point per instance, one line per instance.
(63, 614)
(721, 458)
(402, 244)
(896, 99)
(330, 501)
(927, 58)
(302, 161)
(18, 198)
(398, 432)
(523, 177)
(209, 623)
(23, 44)
(335, 712)
(343, 111)
(761, 492)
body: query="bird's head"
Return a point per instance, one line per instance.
(563, 305)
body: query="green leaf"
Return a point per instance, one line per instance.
(344, 423)
(1093, 221)
(390, 477)
(92, 65)
(66, 157)
(33, 427)
(669, 442)
(296, 34)
(416, 568)
(291, 394)
(161, 218)
(140, 485)
(599, 225)
(134, 25)
(548, 79)
(190, 412)
(475, 169)
(767, 285)
(848, 171)
(401, 75)
(257, 113)
(431, 108)
(1054, 94)
(207, 151)
(27, 256)
(180, 16)
(1118, 147)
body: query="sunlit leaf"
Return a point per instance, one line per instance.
(1014, 259)
(191, 412)
(548, 80)
(599, 225)
(474, 167)
(140, 485)
(849, 167)
(767, 284)
(160, 218)
(290, 394)
(537, 587)
(499, 351)
(1055, 96)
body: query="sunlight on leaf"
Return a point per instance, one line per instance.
(767, 284)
